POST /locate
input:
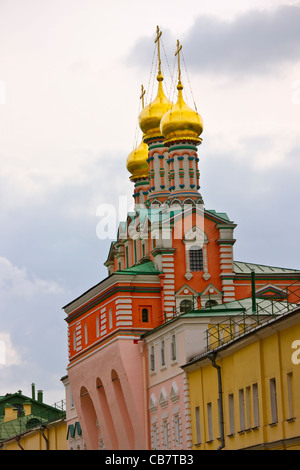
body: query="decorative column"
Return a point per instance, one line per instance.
(226, 242)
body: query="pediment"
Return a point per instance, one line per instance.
(270, 292)
(163, 398)
(211, 290)
(152, 402)
(186, 290)
(174, 393)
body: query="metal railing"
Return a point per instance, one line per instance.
(243, 315)
(265, 309)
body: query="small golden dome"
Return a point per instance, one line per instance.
(150, 116)
(137, 163)
(181, 122)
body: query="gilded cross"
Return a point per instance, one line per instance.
(158, 35)
(142, 96)
(179, 47)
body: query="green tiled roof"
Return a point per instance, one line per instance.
(141, 268)
(246, 268)
(221, 215)
(264, 307)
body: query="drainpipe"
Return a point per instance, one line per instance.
(42, 429)
(19, 444)
(212, 357)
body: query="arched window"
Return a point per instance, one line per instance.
(196, 258)
(145, 315)
(186, 306)
(210, 303)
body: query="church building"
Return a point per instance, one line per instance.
(172, 263)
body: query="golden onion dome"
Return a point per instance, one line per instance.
(181, 122)
(137, 163)
(150, 116)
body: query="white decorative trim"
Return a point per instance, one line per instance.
(196, 236)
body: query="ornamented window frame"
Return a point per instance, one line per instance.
(196, 236)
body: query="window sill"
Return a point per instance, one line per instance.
(255, 428)
(291, 420)
(273, 424)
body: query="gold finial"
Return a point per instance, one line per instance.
(158, 35)
(142, 96)
(179, 47)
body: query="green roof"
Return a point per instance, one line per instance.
(264, 307)
(246, 268)
(141, 268)
(221, 215)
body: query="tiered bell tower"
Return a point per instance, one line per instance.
(181, 127)
(149, 121)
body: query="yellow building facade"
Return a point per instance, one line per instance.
(27, 423)
(245, 393)
(49, 437)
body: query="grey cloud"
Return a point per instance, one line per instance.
(253, 43)
(262, 203)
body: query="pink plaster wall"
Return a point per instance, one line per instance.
(111, 382)
(168, 411)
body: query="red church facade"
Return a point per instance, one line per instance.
(172, 256)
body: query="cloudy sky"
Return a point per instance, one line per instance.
(70, 79)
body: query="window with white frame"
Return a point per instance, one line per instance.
(154, 436)
(247, 408)
(196, 258)
(165, 432)
(186, 305)
(273, 399)
(152, 359)
(173, 347)
(162, 353)
(196, 241)
(255, 405)
(210, 422)
(198, 428)
(177, 439)
(290, 395)
(242, 409)
(231, 413)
